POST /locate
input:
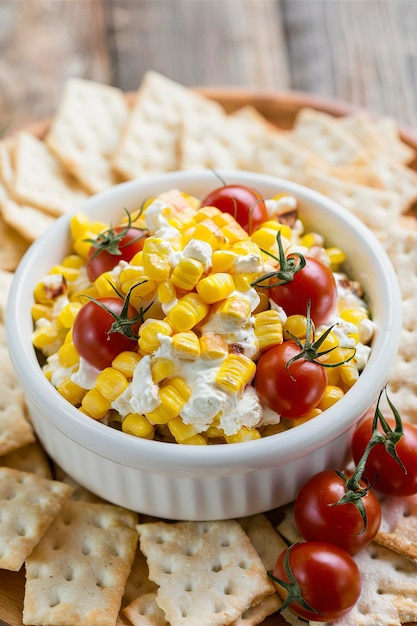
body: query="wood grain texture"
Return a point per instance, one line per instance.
(361, 51)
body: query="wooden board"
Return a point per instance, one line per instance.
(280, 109)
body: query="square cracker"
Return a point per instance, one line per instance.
(398, 529)
(86, 130)
(279, 155)
(322, 134)
(30, 458)
(28, 221)
(13, 245)
(15, 430)
(77, 572)
(226, 142)
(29, 503)
(149, 144)
(41, 180)
(401, 246)
(6, 279)
(208, 572)
(378, 209)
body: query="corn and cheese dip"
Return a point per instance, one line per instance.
(203, 320)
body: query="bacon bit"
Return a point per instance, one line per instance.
(55, 287)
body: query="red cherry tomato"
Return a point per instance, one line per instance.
(382, 468)
(328, 576)
(245, 204)
(102, 257)
(319, 518)
(293, 392)
(315, 282)
(91, 336)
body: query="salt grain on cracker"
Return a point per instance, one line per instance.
(208, 572)
(29, 503)
(149, 144)
(86, 130)
(77, 572)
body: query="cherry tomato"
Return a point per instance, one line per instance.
(328, 576)
(342, 524)
(290, 392)
(104, 256)
(245, 204)
(315, 282)
(390, 478)
(91, 336)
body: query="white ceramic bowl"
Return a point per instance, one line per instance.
(203, 482)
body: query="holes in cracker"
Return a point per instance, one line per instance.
(216, 566)
(188, 586)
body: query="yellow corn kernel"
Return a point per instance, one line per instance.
(234, 232)
(273, 429)
(68, 336)
(297, 326)
(83, 244)
(72, 392)
(338, 355)
(49, 289)
(336, 257)
(131, 274)
(197, 440)
(68, 355)
(69, 273)
(236, 371)
(104, 284)
(68, 314)
(139, 289)
(348, 374)
(244, 280)
(354, 316)
(236, 309)
(135, 261)
(311, 239)
(111, 383)
(137, 425)
(268, 328)
(161, 368)
(246, 246)
(95, 404)
(173, 395)
(213, 346)
(82, 226)
(265, 238)
(331, 341)
(45, 335)
(209, 213)
(216, 287)
(209, 232)
(223, 260)
(243, 434)
(148, 335)
(333, 376)
(180, 431)
(126, 362)
(80, 296)
(190, 310)
(186, 345)
(331, 395)
(155, 258)
(73, 260)
(166, 292)
(41, 311)
(187, 273)
(263, 301)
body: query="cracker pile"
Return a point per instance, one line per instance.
(87, 561)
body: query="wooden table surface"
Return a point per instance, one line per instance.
(360, 51)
